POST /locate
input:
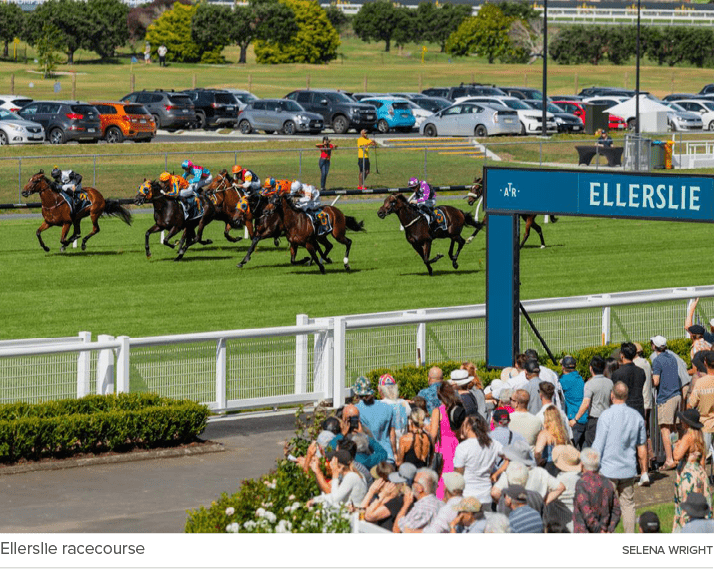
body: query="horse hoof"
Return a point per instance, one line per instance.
(46, 248)
(469, 240)
(456, 265)
(61, 249)
(276, 241)
(84, 246)
(347, 266)
(542, 247)
(208, 242)
(240, 265)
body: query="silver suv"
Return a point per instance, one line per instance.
(285, 116)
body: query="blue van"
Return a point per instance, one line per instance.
(392, 113)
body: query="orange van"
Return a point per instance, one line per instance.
(125, 121)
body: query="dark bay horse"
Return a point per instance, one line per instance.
(268, 225)
(168, 215)
(220, 202)
(476, 193)
(56, 211)
(418, 234)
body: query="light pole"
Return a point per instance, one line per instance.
(544, 129)
(637, 94)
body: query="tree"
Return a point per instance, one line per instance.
(378, 21)
(436, 23)
(337, 17)
(106, 26)
(316, 40)
(579, 44)
(267, 20)
(211, 28)
(69, 17)
(173, 29)
(140, 17)
(48, 44)
(485, 34)
(12, 19)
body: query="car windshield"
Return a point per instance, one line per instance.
(400, 105)
(676, 107)
(433, 105)
(135, 110)
(291, 106)
(709, 106)
(515, 104)
(6, 115)
(338, 98)
(180, 100)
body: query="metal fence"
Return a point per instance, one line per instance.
(318, 359)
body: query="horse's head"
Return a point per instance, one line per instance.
(476, 191)
(390, 205)
(145, 193)
(242, 211)
(37, 183)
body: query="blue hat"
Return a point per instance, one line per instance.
(362, 387)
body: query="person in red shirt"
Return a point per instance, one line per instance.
(326, 148)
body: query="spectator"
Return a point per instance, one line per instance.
(363, 144)
(708, 336)
(596, 398)
(702, 398)
(475, 458)
(497, 523)
(649, 523)
(684, 378)
(415, 446)
(596, 508)
(381, 472)
(532, 369)
(517, 474)
(518, 381)
(358, 446)
(546, 391)
(643, 363)
(523, 519)
(690, 454)
(453, 495)
(573, 391)
(385, 497)
(470, 517)
(377, 416)
(435, 378)
(665, 376)
(552, 434)
(699, 511)
(604, 139)
(503, 402)
(389, 394)
(501, 431)
(147, 53)
(476, 388)
(351, 423)
(417, 402)
(424, 501)
(567, 460)
(444, 438)
(620, 442)
(548, 375)
(162, 55)
(611, 366)
(522, 421)
(326, 149)
(697, 332)
(632, 376)
(330, 428)
(461, 381)
(347, 485)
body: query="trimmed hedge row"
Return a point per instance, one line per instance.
(411, 379)
(95, 424)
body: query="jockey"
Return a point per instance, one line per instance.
(177, 187)
(424, 198)
(197, 176)
(245, 180)
(67, 181)
(273, 187)
(309, 196)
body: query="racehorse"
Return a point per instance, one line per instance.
(168, 215)
(56, 211)
(476, 193)
(268, 225)
(418, 234)
(220, 203)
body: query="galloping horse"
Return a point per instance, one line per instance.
(56, 211)
(220, 203)
(416, 228)
(168, 215)
(268, 225)
(476, 193)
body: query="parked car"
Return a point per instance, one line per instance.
(125, 121)
(16, 130)
(420, 113)
(13, 103)
(360, 96)
(705, 109)
(523, 92)
(433, 104)
(707, 89)
(606, 91)
(170, 110)
(578, 108)
(213, 107)
(680, 119)
(436, 92)
(678, 96)
(565, 98)
(272, 115)
(336, 108)
(411, 95)
(243, 97)
(567, 122)
(465, 90)
(392, 113)
(472, 119)
(530, 119)
(65, 121)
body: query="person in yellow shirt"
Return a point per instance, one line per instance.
(363, 144)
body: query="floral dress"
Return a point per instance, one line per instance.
(691, 479)
(446, 445)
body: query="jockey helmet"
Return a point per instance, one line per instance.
(56, 172)
(413, 182)
(296, 186)
(165, 177)
(269, 183)
(186, 164)
(237, 169)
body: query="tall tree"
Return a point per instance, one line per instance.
(11, 21)
(106, 26)
(173, 29)
(485, 34)
(377, 21)
(267, 20)
(211, 27)
(436, 23)
(69, 18)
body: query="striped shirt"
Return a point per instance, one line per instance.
(421, 513)
(525, 520)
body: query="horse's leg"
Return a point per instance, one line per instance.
(38, 233)
(95, 229)
(328, 248)
(529, 222)
(229, 237)
(199, 231)
(63, 236)
(182, 244)
(540, 233)
(152, 230)
(310, 247)
(250, 251)
(249, 226)
(293, 255)
(461, 242)
(172, 232)
(348, 245)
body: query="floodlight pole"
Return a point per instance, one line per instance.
(544, 129)
(637, 93)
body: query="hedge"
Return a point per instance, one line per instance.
(96, 423)
(411, 379)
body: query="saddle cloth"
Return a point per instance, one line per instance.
(439, 219)
(320, 221)
(80, 202)
(193, 210)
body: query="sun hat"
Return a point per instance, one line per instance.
(494, 388)
(519, 451)
(469, 505)
(387, 380)
(405, 474)
(454, 481)
(691, 418)
(460, 377)
(696, 506)
(659, 341)
(566, 458)
(362, 387)
(508, 373)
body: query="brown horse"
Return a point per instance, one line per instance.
(220, 202)
(476, 193)
(268, 225)
(56, 211)
(418, 234)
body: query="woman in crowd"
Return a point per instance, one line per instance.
(475, 458)
(567, 460)
(444, 439)
(462, 382)
(552, 434)
(415, 446)
(389, 393)
(417, 402)
(690, 454)
(347, 486)
(383, 501)
(611, 364)
(476, 388)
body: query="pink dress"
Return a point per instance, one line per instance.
(446, 445)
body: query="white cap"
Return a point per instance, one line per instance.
(659, 341)
(711, 322)
(295, 186)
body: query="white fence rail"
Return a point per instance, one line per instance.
(317, 359)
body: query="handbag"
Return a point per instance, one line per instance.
(437, 458)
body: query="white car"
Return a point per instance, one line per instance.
(13, 103)
(472, 120)
(419, 113)
(244, 97)
(682, 120)
(704, 108)
(16, 130)
(530, 119)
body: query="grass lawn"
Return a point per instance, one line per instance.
(664, 511)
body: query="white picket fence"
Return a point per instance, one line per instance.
(318, 359)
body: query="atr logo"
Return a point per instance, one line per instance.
(509, 191)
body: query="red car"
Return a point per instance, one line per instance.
(576, 108)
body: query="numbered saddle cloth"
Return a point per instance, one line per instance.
(79, 202)
(192, 208)
(321, 222)
(439, 219)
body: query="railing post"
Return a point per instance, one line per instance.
(300, 164)
(323, 359)
(301, 356)
(421, 341)
(122, 376)
(338, 362)
(105, 367)
(19, 179)
(94, 181)
(425, 162)
(606, 323)
(221, 366)
(84, 360)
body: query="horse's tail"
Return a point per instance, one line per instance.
(114, 208)
(469, 220)
(352, 224)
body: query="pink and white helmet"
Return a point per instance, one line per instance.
(413, 182)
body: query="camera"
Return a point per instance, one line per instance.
(354, 423)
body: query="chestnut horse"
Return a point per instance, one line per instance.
(56, 211)
(220, 203)
(476, 193)
(418, 233)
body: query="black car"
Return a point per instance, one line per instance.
(523, 92)
(337, 109)
(65, 120)
(567, 122)
(214, 107)
(171, 110)
(464, 90)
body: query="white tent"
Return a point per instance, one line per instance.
(653, 115)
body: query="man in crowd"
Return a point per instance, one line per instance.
(621, 441)
(420, 503)
(501, 431)
(522, 421)
(596, 398)
(454, 485)
(702, 398)
(665, 376)
(350, 423)
(573, 390)
(435, 378)
(596, 508)
(523, 519)
(532, 369)
(697, 508)
(649, 523)
(632, 376)
(377, 416)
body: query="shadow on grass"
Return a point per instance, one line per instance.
(438, 272)
(547, 246)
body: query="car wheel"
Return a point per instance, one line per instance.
(56, 136)
(157, 122)
(245, 127)
(3, 138)
(711, 126)
(480, 131)
(114, 135)
(201, 122)
(289, 128)
(430, 130)
(523, 129)
(383, 126)
(340, 124)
